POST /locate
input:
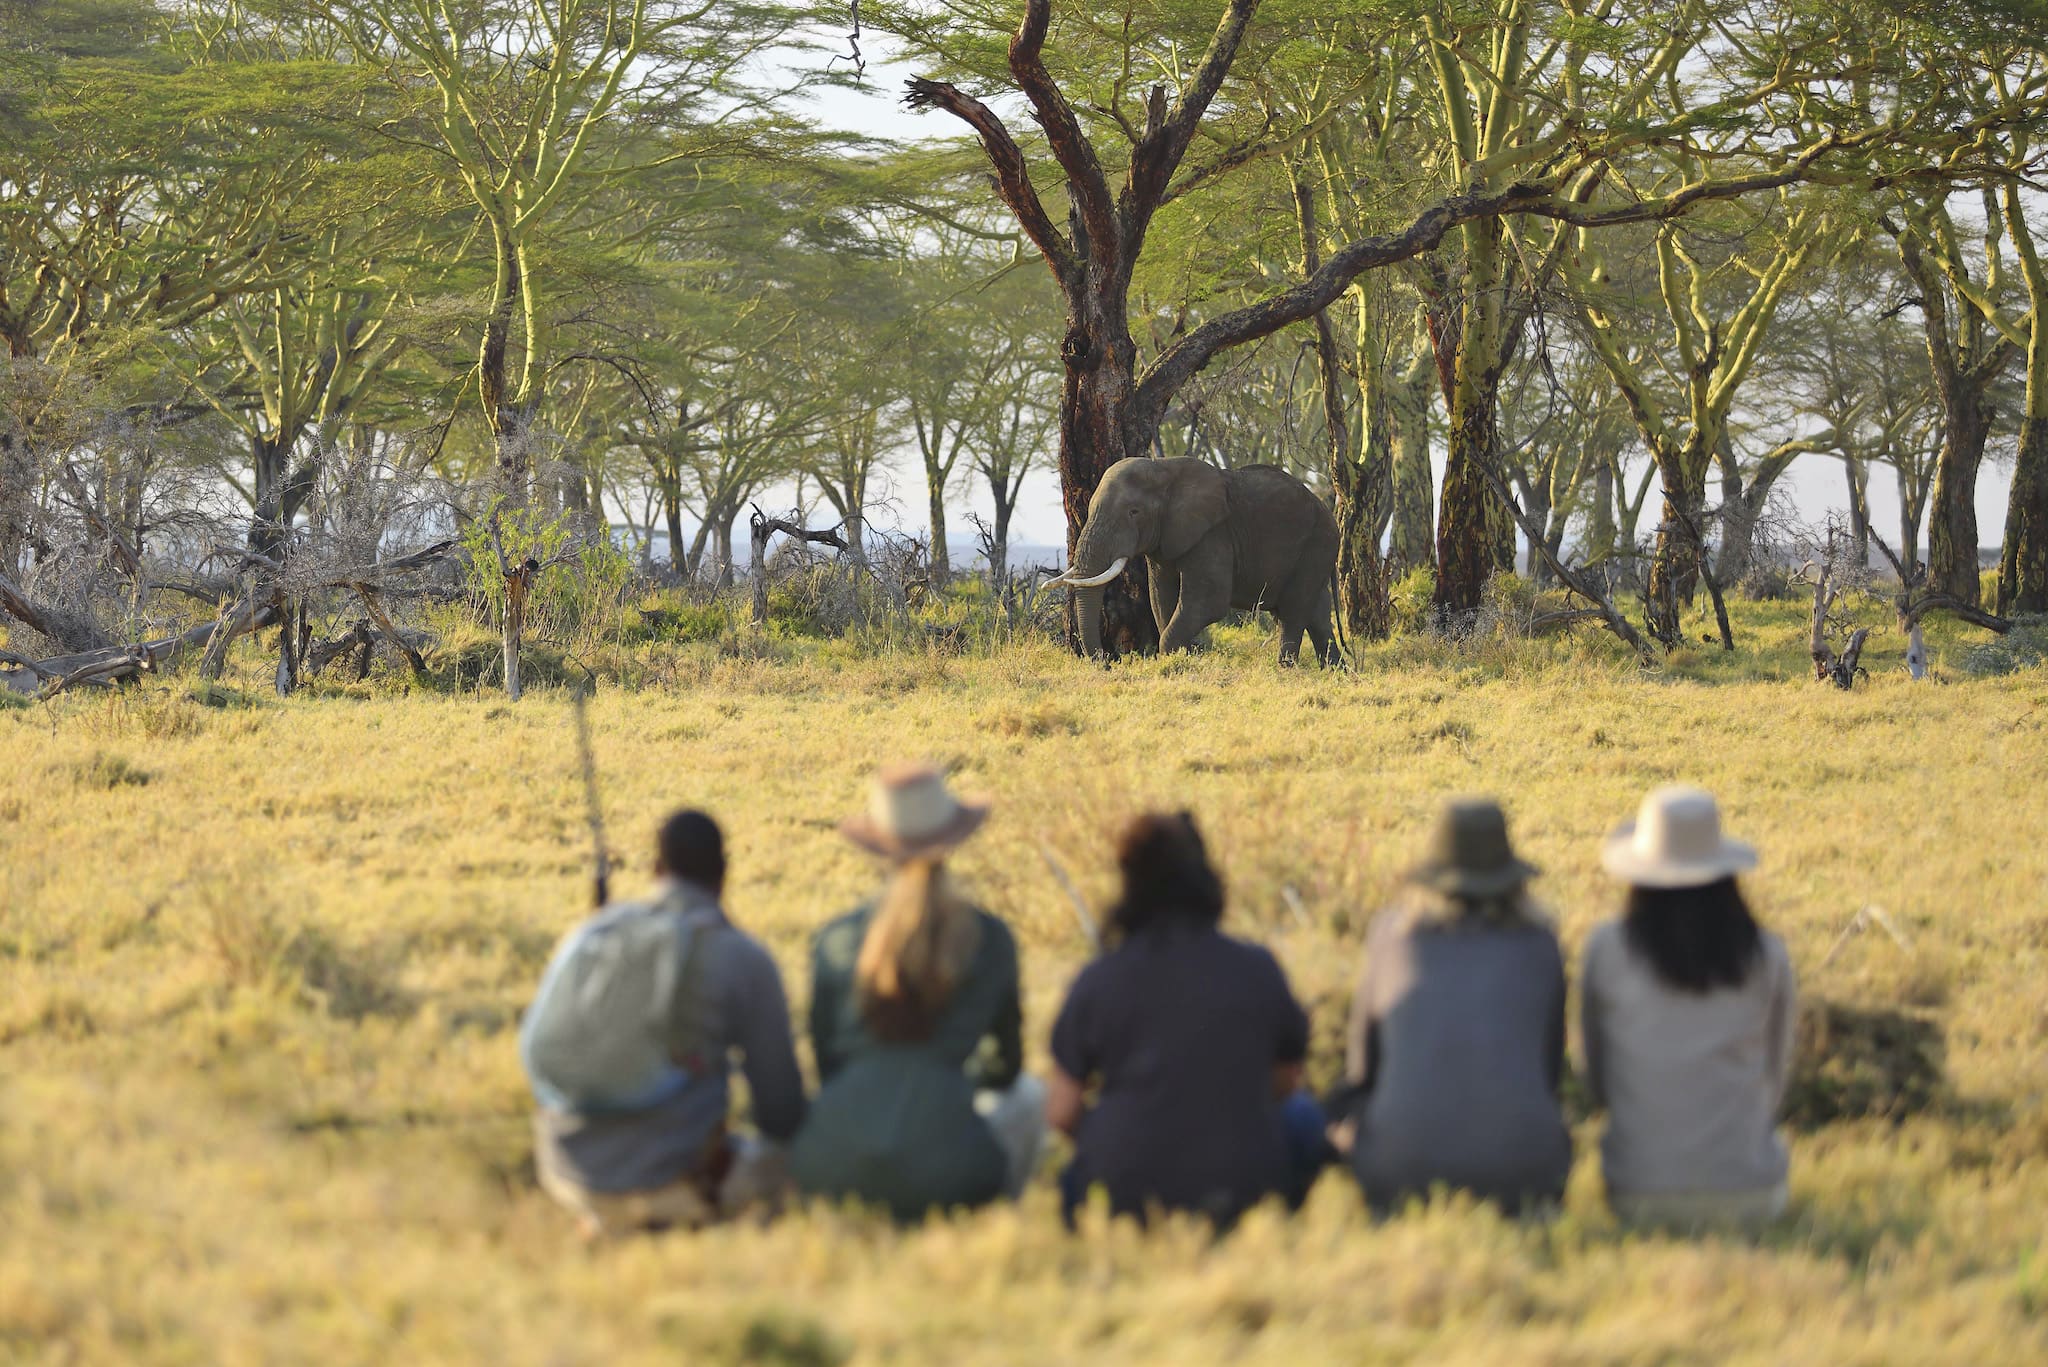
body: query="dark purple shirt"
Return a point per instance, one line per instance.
(1183, 1027)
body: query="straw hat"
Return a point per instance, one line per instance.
(1469, 854)
(911, 813)
(1675, 842)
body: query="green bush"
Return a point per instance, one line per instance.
(2024, 647)
(1412, 595)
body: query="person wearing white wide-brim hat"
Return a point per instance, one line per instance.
(917, 1024)
(1688, 1008)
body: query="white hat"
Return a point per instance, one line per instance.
(911, 813)
(1675, 842)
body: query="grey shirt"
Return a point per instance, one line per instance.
(736, 1003)
(1691, 1080)
(1456, 1051)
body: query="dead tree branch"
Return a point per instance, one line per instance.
(761, 528)
(1582, 585)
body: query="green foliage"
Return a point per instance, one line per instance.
(579, 595)
(1412, 595)
(2023, 647)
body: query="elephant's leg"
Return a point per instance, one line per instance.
(1204, 598)
(1165, 582)
(1319, 633)
(1290, 642)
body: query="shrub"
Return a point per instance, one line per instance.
(2024, 647)
(1412, 595)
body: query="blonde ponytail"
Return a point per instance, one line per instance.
(919, 944)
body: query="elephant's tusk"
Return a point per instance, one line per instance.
(1116, 568)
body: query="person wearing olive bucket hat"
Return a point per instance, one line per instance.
(1688, 1010)
(1456, 1044)
(917, 1025)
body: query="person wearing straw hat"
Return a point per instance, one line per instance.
(1456, 1046)
(917, 1025)
(1688, 1009)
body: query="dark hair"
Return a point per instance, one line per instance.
(1166, 875)
(1696, 939)
(690, 847)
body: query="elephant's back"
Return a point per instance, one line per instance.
(1281, 488)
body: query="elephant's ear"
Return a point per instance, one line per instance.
(1195, 504)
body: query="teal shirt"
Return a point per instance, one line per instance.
(894, 1124)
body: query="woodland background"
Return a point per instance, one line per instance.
(317, 310)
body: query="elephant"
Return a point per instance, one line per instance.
(1213, 540)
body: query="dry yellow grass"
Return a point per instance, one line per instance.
(260, 966)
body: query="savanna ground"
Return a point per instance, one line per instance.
(261, 964)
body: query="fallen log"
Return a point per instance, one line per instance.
(122, 663)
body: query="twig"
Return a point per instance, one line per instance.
(1092, 931)
(1871, 914)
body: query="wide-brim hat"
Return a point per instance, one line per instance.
(1675, 842)
(911, 813)
(1469, 854)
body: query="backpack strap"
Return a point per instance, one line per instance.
(683, 1023)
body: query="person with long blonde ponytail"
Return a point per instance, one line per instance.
(917, 1026)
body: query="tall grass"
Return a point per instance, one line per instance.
(260, 968)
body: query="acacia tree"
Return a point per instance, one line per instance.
(1111, 407)
(1719, 308)
(1852, 360)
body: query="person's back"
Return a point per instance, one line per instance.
(1468, 1022)
(658, 1153)
(1183, 1026)
(894, 1122)
(1688, 1014)
(1691, 1079)
(1457, 1032)
(917, 1024)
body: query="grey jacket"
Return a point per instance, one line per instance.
(1456, 1051)
(1691, 1080)
(737, 1004)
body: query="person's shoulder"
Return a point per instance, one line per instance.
(1603, 943)
(996, 931)
(744, 955)
(840, 937)
(1250, 956)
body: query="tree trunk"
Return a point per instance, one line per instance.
(1858, 475)
(1601, 541)
(1952, 514)
(1674, 567)
(722, 530)
(1912, 505)
(1475, 534)
(1360, 481)
(2023, 565)
(1096, 431)
(999, 539)
(941, 553)
(672, 519)
(1412, 536)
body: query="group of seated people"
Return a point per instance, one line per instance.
(1177, 1057)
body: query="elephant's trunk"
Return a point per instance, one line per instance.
(1093, 566)
(1088, 607)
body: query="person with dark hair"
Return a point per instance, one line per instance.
(1456, 1046)
(1688, 1009)
(917, 1025)
(626, 1047)
(1194, 1042)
